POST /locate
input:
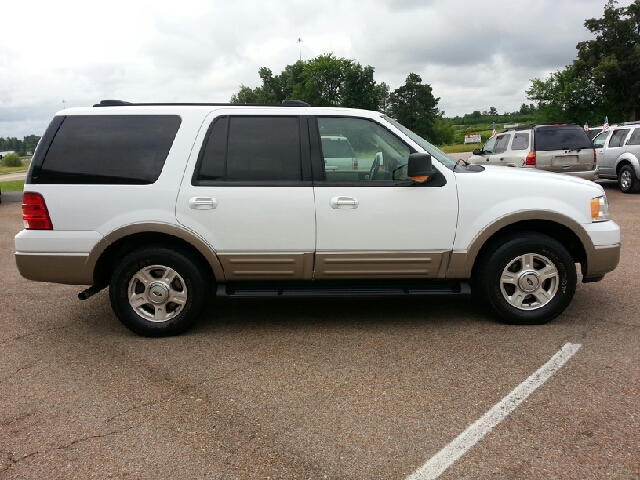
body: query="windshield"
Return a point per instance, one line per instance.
(439, 155)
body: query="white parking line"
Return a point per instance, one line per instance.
(475, 432)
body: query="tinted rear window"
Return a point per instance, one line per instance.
(565, 137)
(112, 149)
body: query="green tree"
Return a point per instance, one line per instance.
(493, 111)
(414, 105)
(604, 79)
(11, 160)
(322, 81)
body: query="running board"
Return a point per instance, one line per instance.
(341, 289)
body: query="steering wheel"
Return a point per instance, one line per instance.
(375, 166)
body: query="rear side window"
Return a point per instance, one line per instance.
(252, 149)
(634, 139)
(520, 141)
(617, 139)
(562, 137)
(109, 149)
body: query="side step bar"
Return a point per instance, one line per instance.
(341, 289)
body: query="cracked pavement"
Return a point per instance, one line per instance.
(319, 389)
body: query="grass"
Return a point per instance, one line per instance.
(12, 186)
(23, 168)
(464, 147)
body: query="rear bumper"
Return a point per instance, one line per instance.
(585, 174)
(69, 269)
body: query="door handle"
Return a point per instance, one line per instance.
(344, 202)
(202, 203)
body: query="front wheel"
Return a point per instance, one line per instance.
(158, 291)
(627, 180)
(528, 279)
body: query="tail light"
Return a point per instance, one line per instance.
(355, 164)
(34, 212)
(531, 159)
(594, 156)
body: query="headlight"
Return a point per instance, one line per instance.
(599, 209)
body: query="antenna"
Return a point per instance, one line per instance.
(299, 41)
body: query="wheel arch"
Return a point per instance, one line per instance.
(564, 235)
(119, 243)
(627, 159)
(557, 226)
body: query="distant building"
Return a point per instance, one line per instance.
(4, 154)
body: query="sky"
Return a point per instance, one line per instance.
(475, 54)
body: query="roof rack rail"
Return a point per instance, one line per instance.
(122, 103)
(629, 123)
(519, 127)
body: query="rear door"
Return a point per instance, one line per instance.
(250, 195)
(615, 147)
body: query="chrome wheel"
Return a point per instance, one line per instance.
(157, 293)
(529, 281)
(625, 180)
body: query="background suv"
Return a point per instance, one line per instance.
(618, 155)
(554, 148)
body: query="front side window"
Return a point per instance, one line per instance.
(501, 143)
(490, 145)
(359, 150)
(109, 149)
(617, 139)
(252, 149)
(600, 139)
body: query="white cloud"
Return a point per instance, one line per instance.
(474, 54)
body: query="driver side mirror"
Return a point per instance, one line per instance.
(477, 151)
(420, 167)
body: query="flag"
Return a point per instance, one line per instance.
(605, 127)
(494, 133)
(586, 127)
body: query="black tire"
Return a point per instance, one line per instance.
(627, 180)
(527, 279)
(158, 291)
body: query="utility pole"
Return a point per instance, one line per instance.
(299, 41)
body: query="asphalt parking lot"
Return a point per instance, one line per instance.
(317, 389)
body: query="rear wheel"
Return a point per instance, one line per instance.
(528, 279)
(627, 180)
(158, 291)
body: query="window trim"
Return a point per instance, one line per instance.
(319, 179)
(304, 157)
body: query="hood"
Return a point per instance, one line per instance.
(530, 175)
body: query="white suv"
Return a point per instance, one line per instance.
(167, 204)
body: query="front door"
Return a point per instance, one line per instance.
(373, 221)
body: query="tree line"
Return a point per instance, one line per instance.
(339, 82)
(21, 147)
